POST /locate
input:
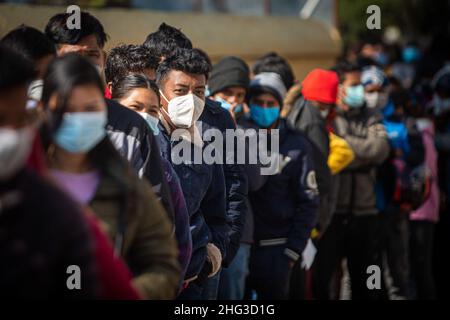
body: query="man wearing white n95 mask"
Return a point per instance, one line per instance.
(182, 80)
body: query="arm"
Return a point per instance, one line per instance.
(213, 208)
(236, 188)
(372, 150)
(182, 231)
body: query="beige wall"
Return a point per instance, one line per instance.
(307, 44)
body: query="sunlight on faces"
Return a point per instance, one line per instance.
(142, 100)
(87, 47)
(178, 83)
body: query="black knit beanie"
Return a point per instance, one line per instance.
(228, 72)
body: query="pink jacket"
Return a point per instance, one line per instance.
(429, 211)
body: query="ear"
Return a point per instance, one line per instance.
(109, 86)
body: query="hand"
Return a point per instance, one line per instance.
(215, 258)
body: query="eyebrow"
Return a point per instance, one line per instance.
(181, 85)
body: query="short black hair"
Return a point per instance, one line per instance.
(15, 70)
(133, 81)
(128, 58)
(29, 42)
(186, 60)
(166, 40)
(59, 33)
(343, 67)
(272, 62)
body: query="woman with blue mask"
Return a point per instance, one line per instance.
(84, 163)
(140, 94)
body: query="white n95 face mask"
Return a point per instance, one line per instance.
(15, 147)
(184, 111)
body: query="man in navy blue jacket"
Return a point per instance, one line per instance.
(285, 207)
(182, 80)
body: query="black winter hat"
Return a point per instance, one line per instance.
(229, 72)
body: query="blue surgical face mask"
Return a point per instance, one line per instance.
(152, 122)
(79, 132)
(226, 105)
(410, 54)
(264, 117)
(354, 96)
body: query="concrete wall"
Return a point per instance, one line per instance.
(307, 44)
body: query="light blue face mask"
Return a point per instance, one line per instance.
(354, 96)
(152, 122)
(79, 132)
(264, 117)
(226, 105)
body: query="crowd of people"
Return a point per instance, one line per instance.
(89, 178)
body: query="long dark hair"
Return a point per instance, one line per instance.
(133, 81)
(62, 76)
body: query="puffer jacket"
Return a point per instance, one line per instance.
(366, 135)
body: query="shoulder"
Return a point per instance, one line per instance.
(125, 120)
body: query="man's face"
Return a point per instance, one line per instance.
(233, 95)
(12, 107)
(350, 79)
(87, 47)
(179, 83)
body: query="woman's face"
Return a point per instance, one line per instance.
(142, 100)
(84, 98)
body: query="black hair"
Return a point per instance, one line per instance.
(63, 74)
(166, 40)
(186, 60)
(133, 81)
(59, 33)
(15, 70)
(126, 59)
(29, 42)
(272, 62)
(343, 67)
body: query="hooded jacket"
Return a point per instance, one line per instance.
(307, 119)
(285, 207)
